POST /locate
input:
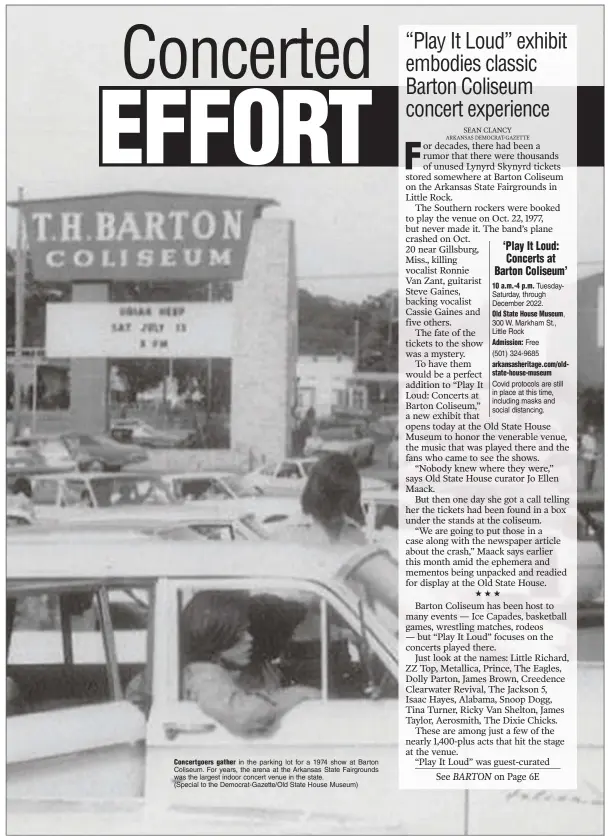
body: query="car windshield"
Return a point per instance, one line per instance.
(86, 440)
(126, 490)
(375, 580)
(199, 488)
(235, 484)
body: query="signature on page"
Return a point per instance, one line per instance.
(587, 794)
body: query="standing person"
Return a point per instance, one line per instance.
(331, 506)
(588, 453)
(308, 428)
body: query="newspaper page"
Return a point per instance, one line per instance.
(305, 394)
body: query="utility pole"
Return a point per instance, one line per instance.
(209, 363)
(19, 317)
(357, 342)
(391, 316)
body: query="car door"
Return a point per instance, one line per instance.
(349, 728)
(71, 735)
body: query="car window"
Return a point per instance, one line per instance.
(287, 470)
(121, 434)
(296, 638)
(56, 657)
(124, 491)
(268, 469)
(387, 515)
(209, 531)
(45, 491)
(75, 493)
(67, 648)
(200, 489)
(86, 440)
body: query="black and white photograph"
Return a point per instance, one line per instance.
(215, 334)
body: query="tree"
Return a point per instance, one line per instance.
(141, 375)
(37, 295)
(327, 327)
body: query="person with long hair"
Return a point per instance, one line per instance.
(331, 505)
(217, 648)
(22, 495)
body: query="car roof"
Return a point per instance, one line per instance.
(200, 474)
(38, 436)
(47, 535)
(116, 560)
(121, 474)
(151, 514)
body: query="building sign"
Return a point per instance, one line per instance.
(140, 236)
(139, 330)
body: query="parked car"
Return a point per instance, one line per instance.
(98, 453)
(23, 461)
(61, 497)
(352, 439)
(143, 434)
(288, 477)
(16, 516)
(204, 486)
(284, 478)
(172, 523)
(51, 451)
(72, 736)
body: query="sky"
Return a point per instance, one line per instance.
(346, 217)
